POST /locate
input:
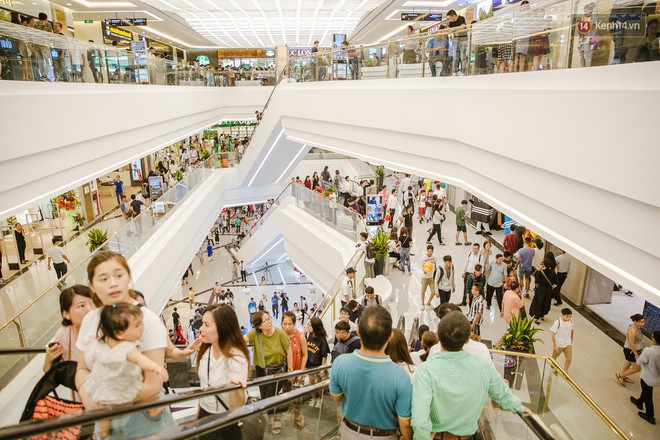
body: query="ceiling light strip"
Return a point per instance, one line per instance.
(304, 148)
(263, 162)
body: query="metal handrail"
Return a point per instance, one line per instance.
(214, 422)
(21, 350)
(578, 390)
(401, 326)
(537, 426)
(25, 430)
(18, 314)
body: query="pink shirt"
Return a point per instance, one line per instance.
(65, 336)
(511, 303)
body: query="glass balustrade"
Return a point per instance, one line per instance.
(562, 409)
(545, 35)
(321, 205)
(28, 54)
(35, 324)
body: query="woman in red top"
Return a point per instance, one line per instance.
(299, 349)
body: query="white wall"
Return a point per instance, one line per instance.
(58, 136)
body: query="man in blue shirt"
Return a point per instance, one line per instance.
(119, 188)
(252, 308)
(525, 255)
(371, 405)
(438, 49)
(276, 302)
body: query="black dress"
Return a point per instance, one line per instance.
(20, 245)
(544, 279)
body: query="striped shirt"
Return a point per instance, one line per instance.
(450, 390)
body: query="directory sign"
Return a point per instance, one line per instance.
(126, 21)
(418, 16)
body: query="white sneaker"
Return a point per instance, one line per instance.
(312, 402)
(319, 403)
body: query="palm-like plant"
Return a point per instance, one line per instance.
(520, 336)
(380, 243)
(96, 238)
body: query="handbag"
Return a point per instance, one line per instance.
(270, 369)
(252, 427)
(52, 406)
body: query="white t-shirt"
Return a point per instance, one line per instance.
(56, 254)
(409, 369)
(538, 257)
(221, 371)
(153, 337)
(563, 263)
(562, 330)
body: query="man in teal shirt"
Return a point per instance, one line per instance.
(450, 388)
(374, 391)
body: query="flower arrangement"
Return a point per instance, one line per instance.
(319, 190)
(79, 219)
(67, 201)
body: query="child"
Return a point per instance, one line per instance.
(475, 315)
(421, 205)
(209, 252)
(563, 331)
(116, 363)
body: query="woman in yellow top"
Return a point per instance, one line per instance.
(191, 297)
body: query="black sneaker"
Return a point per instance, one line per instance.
(478, 232)
(488, 233)
(637, 403)
(646, 417)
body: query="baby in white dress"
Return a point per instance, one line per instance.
(115, 361)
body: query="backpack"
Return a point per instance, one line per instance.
(341, 347)
(410, 197)
(376, 297)
(370, 250)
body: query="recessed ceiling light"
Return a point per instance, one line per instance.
(68, 4)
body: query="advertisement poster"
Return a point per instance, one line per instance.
(374, 209)
(155, 186)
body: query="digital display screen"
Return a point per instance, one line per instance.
(652, 319)
(374, 209)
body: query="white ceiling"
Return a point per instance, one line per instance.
(268, 23)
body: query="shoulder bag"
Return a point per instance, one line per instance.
(270, 369)
(252, 427)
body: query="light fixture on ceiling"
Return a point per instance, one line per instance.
(302, 149)
(69, 4)
(269, 249)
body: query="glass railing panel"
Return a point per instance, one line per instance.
(545, 35)
(558, 401)
(497, 424)
(10, 365)
(34, 55)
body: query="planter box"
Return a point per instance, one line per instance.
(379, 72)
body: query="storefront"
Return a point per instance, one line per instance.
(248, 58)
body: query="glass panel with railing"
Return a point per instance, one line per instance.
(321, 204)
(301, 408)
(544, 35)
(35, 324)
(30, 54)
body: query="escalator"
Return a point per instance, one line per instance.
(562, 410)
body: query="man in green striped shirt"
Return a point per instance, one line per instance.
(450, 388)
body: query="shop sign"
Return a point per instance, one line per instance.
(300, 52)
(237, 123)
(203, 60)
(116, 32)
(5, 43)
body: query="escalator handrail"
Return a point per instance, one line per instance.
(29, 429)
(211, 423)
(537, 426)
(20, 351)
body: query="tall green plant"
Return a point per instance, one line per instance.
(96, 238)
(520, 336)
(380, 243)
(380, 171)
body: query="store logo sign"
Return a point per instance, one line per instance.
(631, 24)
(584, 25)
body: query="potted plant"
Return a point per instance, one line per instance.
(380, 177)
(382, 253)
(178, 175)
(96, 238)
(206, 154)
(518, 337)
